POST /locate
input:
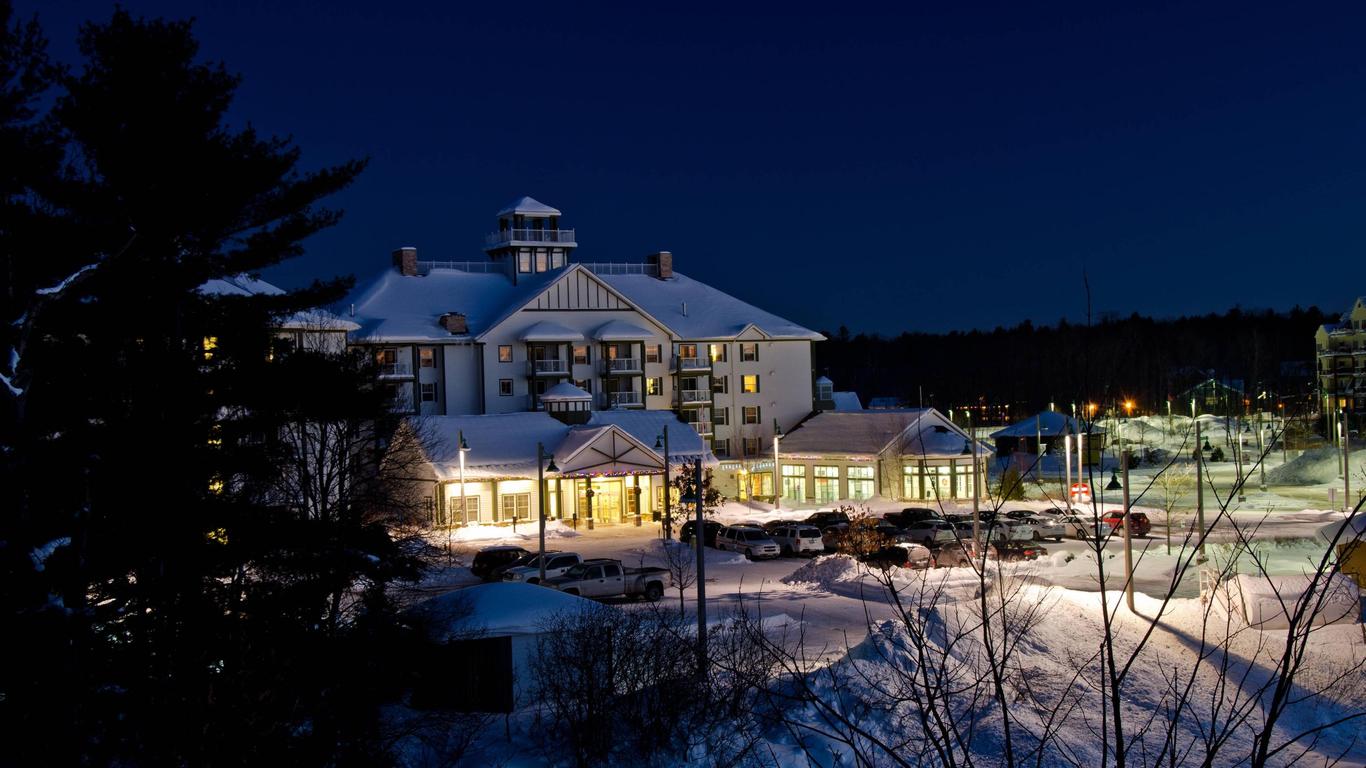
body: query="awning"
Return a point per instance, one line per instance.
(548, 331)
(618, 330)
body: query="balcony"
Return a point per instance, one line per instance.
(509, 236)
(692, 396)
(691, 364)
(393, 370)
(623, 400)
(547, 367)
(621, 365)
(701, 427)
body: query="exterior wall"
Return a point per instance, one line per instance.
(785, 391)
(1341, 367)
(460, 368)
(562, 500)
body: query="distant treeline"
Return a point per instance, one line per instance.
(1108, 361)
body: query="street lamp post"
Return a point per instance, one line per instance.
(1128, 541)
(777, 488)
(464, 512)
(663, 441)
(1199, 488)
(541, 469)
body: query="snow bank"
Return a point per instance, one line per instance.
(826, 571)
(1267, 602)
(554, 529)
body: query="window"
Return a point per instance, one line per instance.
(749, 352)
(860, 482)
(581, 354)
(752, 447)
(717, 352)
(794, 482)
(720, 384)
(825, 391)
(827, 483)
(429, 393)
(749, 383)
(687, 350)
(651, 353)
(585, 384)
(505, 387)
(426, 357)
(750, 414)
(720, 416)
(542, 260)
(556, 258)
(209, 345)
(720, 447)
(654, 385)
(469, 513)
(524, 261)
(504, 353)
(516, 506)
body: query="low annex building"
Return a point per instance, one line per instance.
(1050, 428)
(897, 454)
(607, 469)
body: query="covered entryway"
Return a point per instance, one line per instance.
(610, 471)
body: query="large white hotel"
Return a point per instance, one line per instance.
(493, 335)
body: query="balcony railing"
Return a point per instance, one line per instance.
(692, 363)
(395, 369)
(622, 365)
(548, 367)
(623, 399)
(530, 236)
(701, 427)
(694, 395)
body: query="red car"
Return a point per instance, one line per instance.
(1141, 524)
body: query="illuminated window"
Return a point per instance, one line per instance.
(504, 353)
(524, 261)
(216, 485)
(860, 482)
(654, 385)
(210, 344)
(717, 352)
(827, 482)
(581, 355)
(651, 353)
(749, 383)
(426, 357)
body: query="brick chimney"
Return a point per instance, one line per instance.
(455, 323)
(665, 261)
(405, 259)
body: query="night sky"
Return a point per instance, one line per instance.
(886, 169)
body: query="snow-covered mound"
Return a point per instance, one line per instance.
(501, 608)
(826, 571)
(1313, 467)
(554, 529)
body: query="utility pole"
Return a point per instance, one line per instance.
(1261, 451)
(1128, 540)
(1199, 488)
(976, 493)
(1347, 504)
(701, 575)
(540, 492)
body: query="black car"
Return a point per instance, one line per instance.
(489, 558)
(709, 530)
(827, 518)
(1019, 550)
(886, 557)
(773, 525)
(909, 515)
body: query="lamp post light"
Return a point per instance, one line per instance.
(777, 488)
(1128, 540)
(464, 447)
(541, 469)
(662, 441)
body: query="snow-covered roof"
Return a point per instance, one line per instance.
(847, 401)
(528, 206)
(564, 391)
(824, 380)
(1046, 423)
(620, 330)
(308, 319)
(496, 610)
(504, 445)
(710, 313)
(550, 331)
(868, 433)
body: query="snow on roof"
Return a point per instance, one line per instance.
(847, 401)
(317, 320)
(924, 432)
(239, 285)
(1047, 423)
(620, 330)
(398, 308)
(711, 314)
(528, 205)
(504, 445)
(498, 609)
(824, 380)
(564, 391)
(550, 331)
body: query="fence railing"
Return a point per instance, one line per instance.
(530, 236)
(497, 267)
(695, 395)
(395, 369)
(701, 427)
(692, 363)
(545, 367)
(620, 268)
(617, 399)
(622, 364)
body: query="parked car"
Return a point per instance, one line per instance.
(928, 532)
(909, 515)
(891, 533)
(773, 525)
(489, 558)
(826, 517)
(959, 554)
(1080, 528)
(1016, 551)
(886, 557)
(1003, 529)
(750, 541)
(833, 535)
(917, 555)
(1043, 526)
(1140, 525)
(556, 564)
(709, 530)
(602, 578)
(798, 539)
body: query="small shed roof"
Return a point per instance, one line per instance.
(550, 331)
(1045, 423)
(564, 391)
(528, 206)
(620, 330)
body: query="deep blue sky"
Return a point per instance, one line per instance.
(888, 169)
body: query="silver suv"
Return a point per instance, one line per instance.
(799, 539)
(750, 541)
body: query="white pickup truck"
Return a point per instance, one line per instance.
(556, 564)
(603, 578)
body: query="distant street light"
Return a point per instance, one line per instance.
(1114, 484)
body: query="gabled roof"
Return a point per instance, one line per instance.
(606, 449)
(620, 330)
(1045, 423)
(911, 431)
(550, 331)
(564, 391)
(847, 401)
(307, 319)
(528, 205)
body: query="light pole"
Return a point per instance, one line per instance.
(697, 497)
(464, 513)
(1128, 542)
(662, 441)
(976, 493)
(541, 469)
(1261, 451)
(1199, 487)
(777, 489)
(1347, 504)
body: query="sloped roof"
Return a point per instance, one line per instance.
(865, 432)
(307, 319)
(847, 401)
(620, 330)
(565, 391)
(550, 331)
(528, 205)
(1045, 423)
(711, 313)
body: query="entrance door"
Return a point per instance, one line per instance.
(606, 500)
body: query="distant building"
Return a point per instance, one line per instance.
(1340, 350)
(1050, 427)
(315, 329)
(495, 335)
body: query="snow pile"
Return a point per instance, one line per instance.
(1268, 602)
(554, 529)
(1313, 467)
(827, 571)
